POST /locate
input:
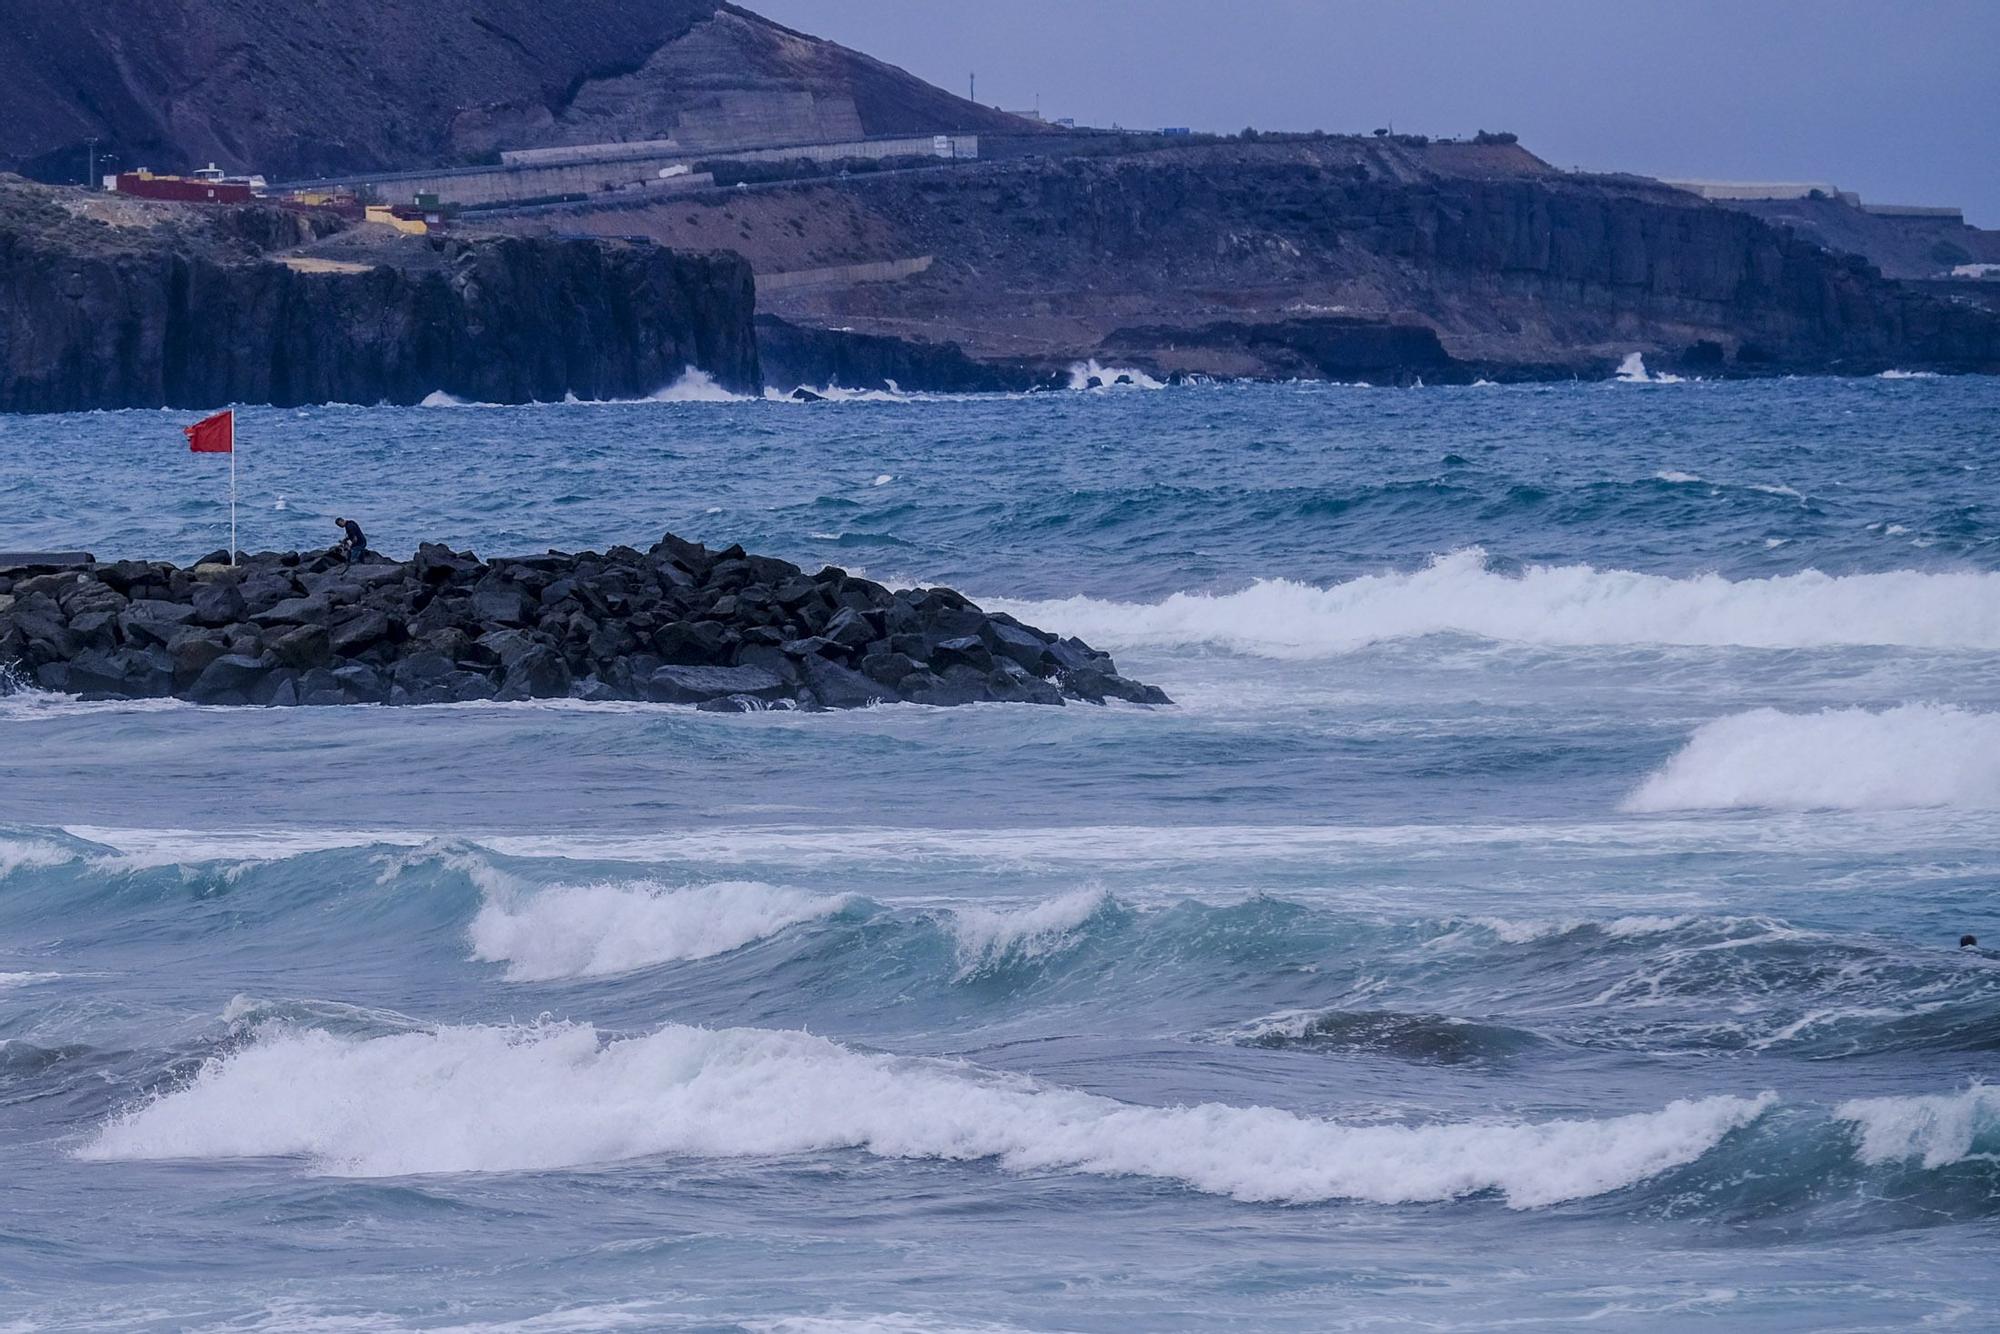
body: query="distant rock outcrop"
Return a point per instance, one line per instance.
(676, 624)
(118, 304)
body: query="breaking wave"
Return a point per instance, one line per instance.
(599, 929)
(1570, 605)
(989, 936)
(1837, 759)
(1939, 1130)
(1110, 377)
(695, 386)
(494, 1099)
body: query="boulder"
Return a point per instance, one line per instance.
(694, 643)
(230, 679)
(502, 603)
(361, 683)
(303, 648)
(218, 603)
(537, 673)
(965, 651)
(190, 652)
(692, 685)
(358, 633)
(293, 611)
(833, 686)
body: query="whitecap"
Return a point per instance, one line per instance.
(552, 1097)
(1913, 755)
(599, 929)
(1570, 605)
(1938, 1129)
(1033, 931)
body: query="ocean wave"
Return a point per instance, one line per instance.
(1913, 755)
(22, 853)
(1939, 1129)
(1559, 605)
(986, 937)
(492, 1099)
(595, 930)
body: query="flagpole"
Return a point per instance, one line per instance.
(232, 490)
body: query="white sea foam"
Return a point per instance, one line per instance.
(438, 398)
(986, 935)
(1677, 477)
(1081, 848)
(1632, 370)
(1843, 759)
(20, 854)
(593, 930)
(25, 979)
(1907, 375)
(1081, 373)
(486, 1099)
(695, 386)
(1547, 604)
(1939, 1129)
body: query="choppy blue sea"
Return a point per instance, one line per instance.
(1540, 906)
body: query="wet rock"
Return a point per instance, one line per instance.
(694, 685)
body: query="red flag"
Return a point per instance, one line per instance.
(213, 435)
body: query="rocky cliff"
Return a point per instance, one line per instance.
(294, 90)
(1510, 264)
(114, 304)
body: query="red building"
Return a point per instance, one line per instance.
(207, 186)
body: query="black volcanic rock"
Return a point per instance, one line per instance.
(796, 356)
(116, 304)
(675, 624)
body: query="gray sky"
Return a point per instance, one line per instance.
(1898, 99)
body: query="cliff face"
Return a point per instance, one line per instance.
(193, 308)
(1509, 262)
(318, 89)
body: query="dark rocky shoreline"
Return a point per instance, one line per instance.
(678, 623)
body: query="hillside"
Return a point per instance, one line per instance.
(1344, 257)
(313, 89)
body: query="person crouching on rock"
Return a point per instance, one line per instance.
(355, 543)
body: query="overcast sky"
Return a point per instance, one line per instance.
(1898, 99)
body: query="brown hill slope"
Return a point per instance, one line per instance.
(316, 88)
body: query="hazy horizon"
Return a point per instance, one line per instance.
(1900, 106)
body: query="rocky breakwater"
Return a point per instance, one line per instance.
(678, 623)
